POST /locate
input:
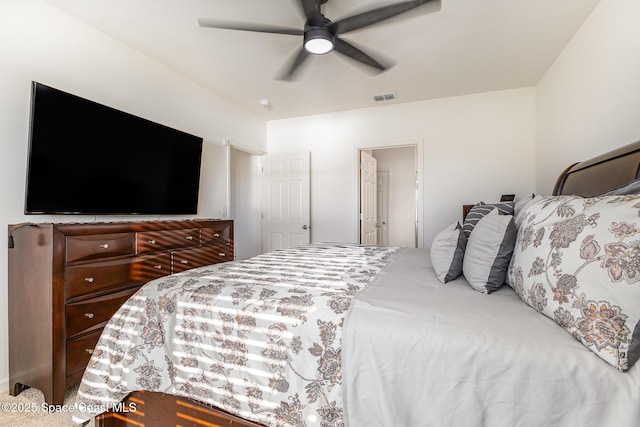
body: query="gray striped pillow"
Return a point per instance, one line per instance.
(480, 210)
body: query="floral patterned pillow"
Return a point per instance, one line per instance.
(577, 261)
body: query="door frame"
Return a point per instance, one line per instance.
(419, 144)
(228, 211)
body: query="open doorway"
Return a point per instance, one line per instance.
(389, 206)
(244, 201)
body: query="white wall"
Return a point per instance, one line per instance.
(588, 102)
(38, 42)
(476, 147)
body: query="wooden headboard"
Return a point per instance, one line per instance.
(600, 174)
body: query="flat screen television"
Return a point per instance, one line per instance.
(87, 158)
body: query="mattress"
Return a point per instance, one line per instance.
(398, 348)
(420, 353)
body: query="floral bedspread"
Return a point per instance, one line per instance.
(260, 338)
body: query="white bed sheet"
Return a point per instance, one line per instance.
(420, 353)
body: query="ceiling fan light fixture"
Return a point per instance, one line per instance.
(321, 35)
(318, 41)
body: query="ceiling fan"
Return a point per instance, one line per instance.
(321, 35)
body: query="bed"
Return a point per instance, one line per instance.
(349, 335)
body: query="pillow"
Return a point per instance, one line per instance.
(518, 218)
(577, 261)
(631, 188)
(520, 212)
(488, 252)
(517, 207)
(447, 252)
(480, 210)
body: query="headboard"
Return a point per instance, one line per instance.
(602, 173)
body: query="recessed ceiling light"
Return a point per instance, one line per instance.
(265, 102)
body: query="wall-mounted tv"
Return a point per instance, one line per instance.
(87, 158)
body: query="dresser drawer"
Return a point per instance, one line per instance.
(86, 315)
(221, 253)
(199, 257)
(95, 246)
(151, 267)
(219, 234)
(88, 278)
(192, 258)
(153, 241)
(79, 352)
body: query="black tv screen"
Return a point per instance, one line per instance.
(87, 158)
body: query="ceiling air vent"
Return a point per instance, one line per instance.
(385, 97)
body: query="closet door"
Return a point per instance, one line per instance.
(285, 200)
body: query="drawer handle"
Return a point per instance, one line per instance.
(88, 279)
(184, 261)
(104, 246)
(222, 254)
(89, 315)
(89, 350)
(189, 237)
(153, 242)
(157, 267)
(216, 234)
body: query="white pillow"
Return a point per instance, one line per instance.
(488, 252)
(447, 252)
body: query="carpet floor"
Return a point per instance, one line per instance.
(28, 409)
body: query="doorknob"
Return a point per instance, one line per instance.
(304, 227)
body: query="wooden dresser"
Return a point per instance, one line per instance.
(66, 280)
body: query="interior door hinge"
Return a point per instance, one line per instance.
(361, 216)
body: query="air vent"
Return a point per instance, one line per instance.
(385, 97)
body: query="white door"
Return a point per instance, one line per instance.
(368, 205)
(383, 208)
(285, 200)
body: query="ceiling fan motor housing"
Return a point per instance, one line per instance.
(318, 36)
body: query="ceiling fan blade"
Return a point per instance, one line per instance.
(208, 23)
(353, 52)
(374, 16)
(310, 8)
(293, 65)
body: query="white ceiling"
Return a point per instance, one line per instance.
(447, 48)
